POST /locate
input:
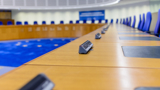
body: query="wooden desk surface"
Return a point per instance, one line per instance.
(103, 68)
(83, 78)
(106, 52)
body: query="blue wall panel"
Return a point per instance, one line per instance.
(92, 15)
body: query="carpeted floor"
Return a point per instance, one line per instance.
(16, 53)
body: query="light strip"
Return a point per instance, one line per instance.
(60, 8)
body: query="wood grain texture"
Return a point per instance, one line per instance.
(83, 78)
(13, 32)
(103, 68)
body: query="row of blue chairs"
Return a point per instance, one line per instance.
(52, 22)
(144, 23)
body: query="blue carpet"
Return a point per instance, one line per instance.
(16, 53)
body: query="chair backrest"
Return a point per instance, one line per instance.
(130, 20)
(121, 21)
(70, 22)
(25, 23)
(93, 21)
(52, 22)
(1, 23)
(43, 22)
(106, 21)
(35, 22)
(77, 22)
(61, 22)
(157, 27)
(18, 23)
(9, 23)
(111, 21)
(142, 22)
(84, 21)
(148, 21)
(124, 21)
(99, 21)
(117, 21)
(134, 22)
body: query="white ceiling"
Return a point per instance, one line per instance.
(54, 4)
(63, 4)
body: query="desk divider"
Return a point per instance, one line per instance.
(13, 32)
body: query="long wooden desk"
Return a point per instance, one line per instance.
(103, 68)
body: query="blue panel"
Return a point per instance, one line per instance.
(92, 15)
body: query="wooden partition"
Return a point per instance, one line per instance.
(46, 31)
(4, 21)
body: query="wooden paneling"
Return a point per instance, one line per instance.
(13, 32)
(5, 15)
(4, 21)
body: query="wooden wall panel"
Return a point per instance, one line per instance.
(52, 31)
(46, 31)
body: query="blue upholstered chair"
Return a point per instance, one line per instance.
(9, 23)
(124, 21)
(106, 21)
(93, 21)
(117, 21)
(148, 21)
(1, 23)
(43, 22)
(25, 23)
(111, 21)
(70, 22)
(99, 21)
(35, 23)
(157, 27)
(18, 23)
(130, 20)
(142, 22)
(134, 22)
(61, 22)
(121, 21)
(84, 21)
(52, 22)
(77, 22)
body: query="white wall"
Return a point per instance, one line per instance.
(154, 5)
(127, 11)
(46, 15)
(110, 12)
